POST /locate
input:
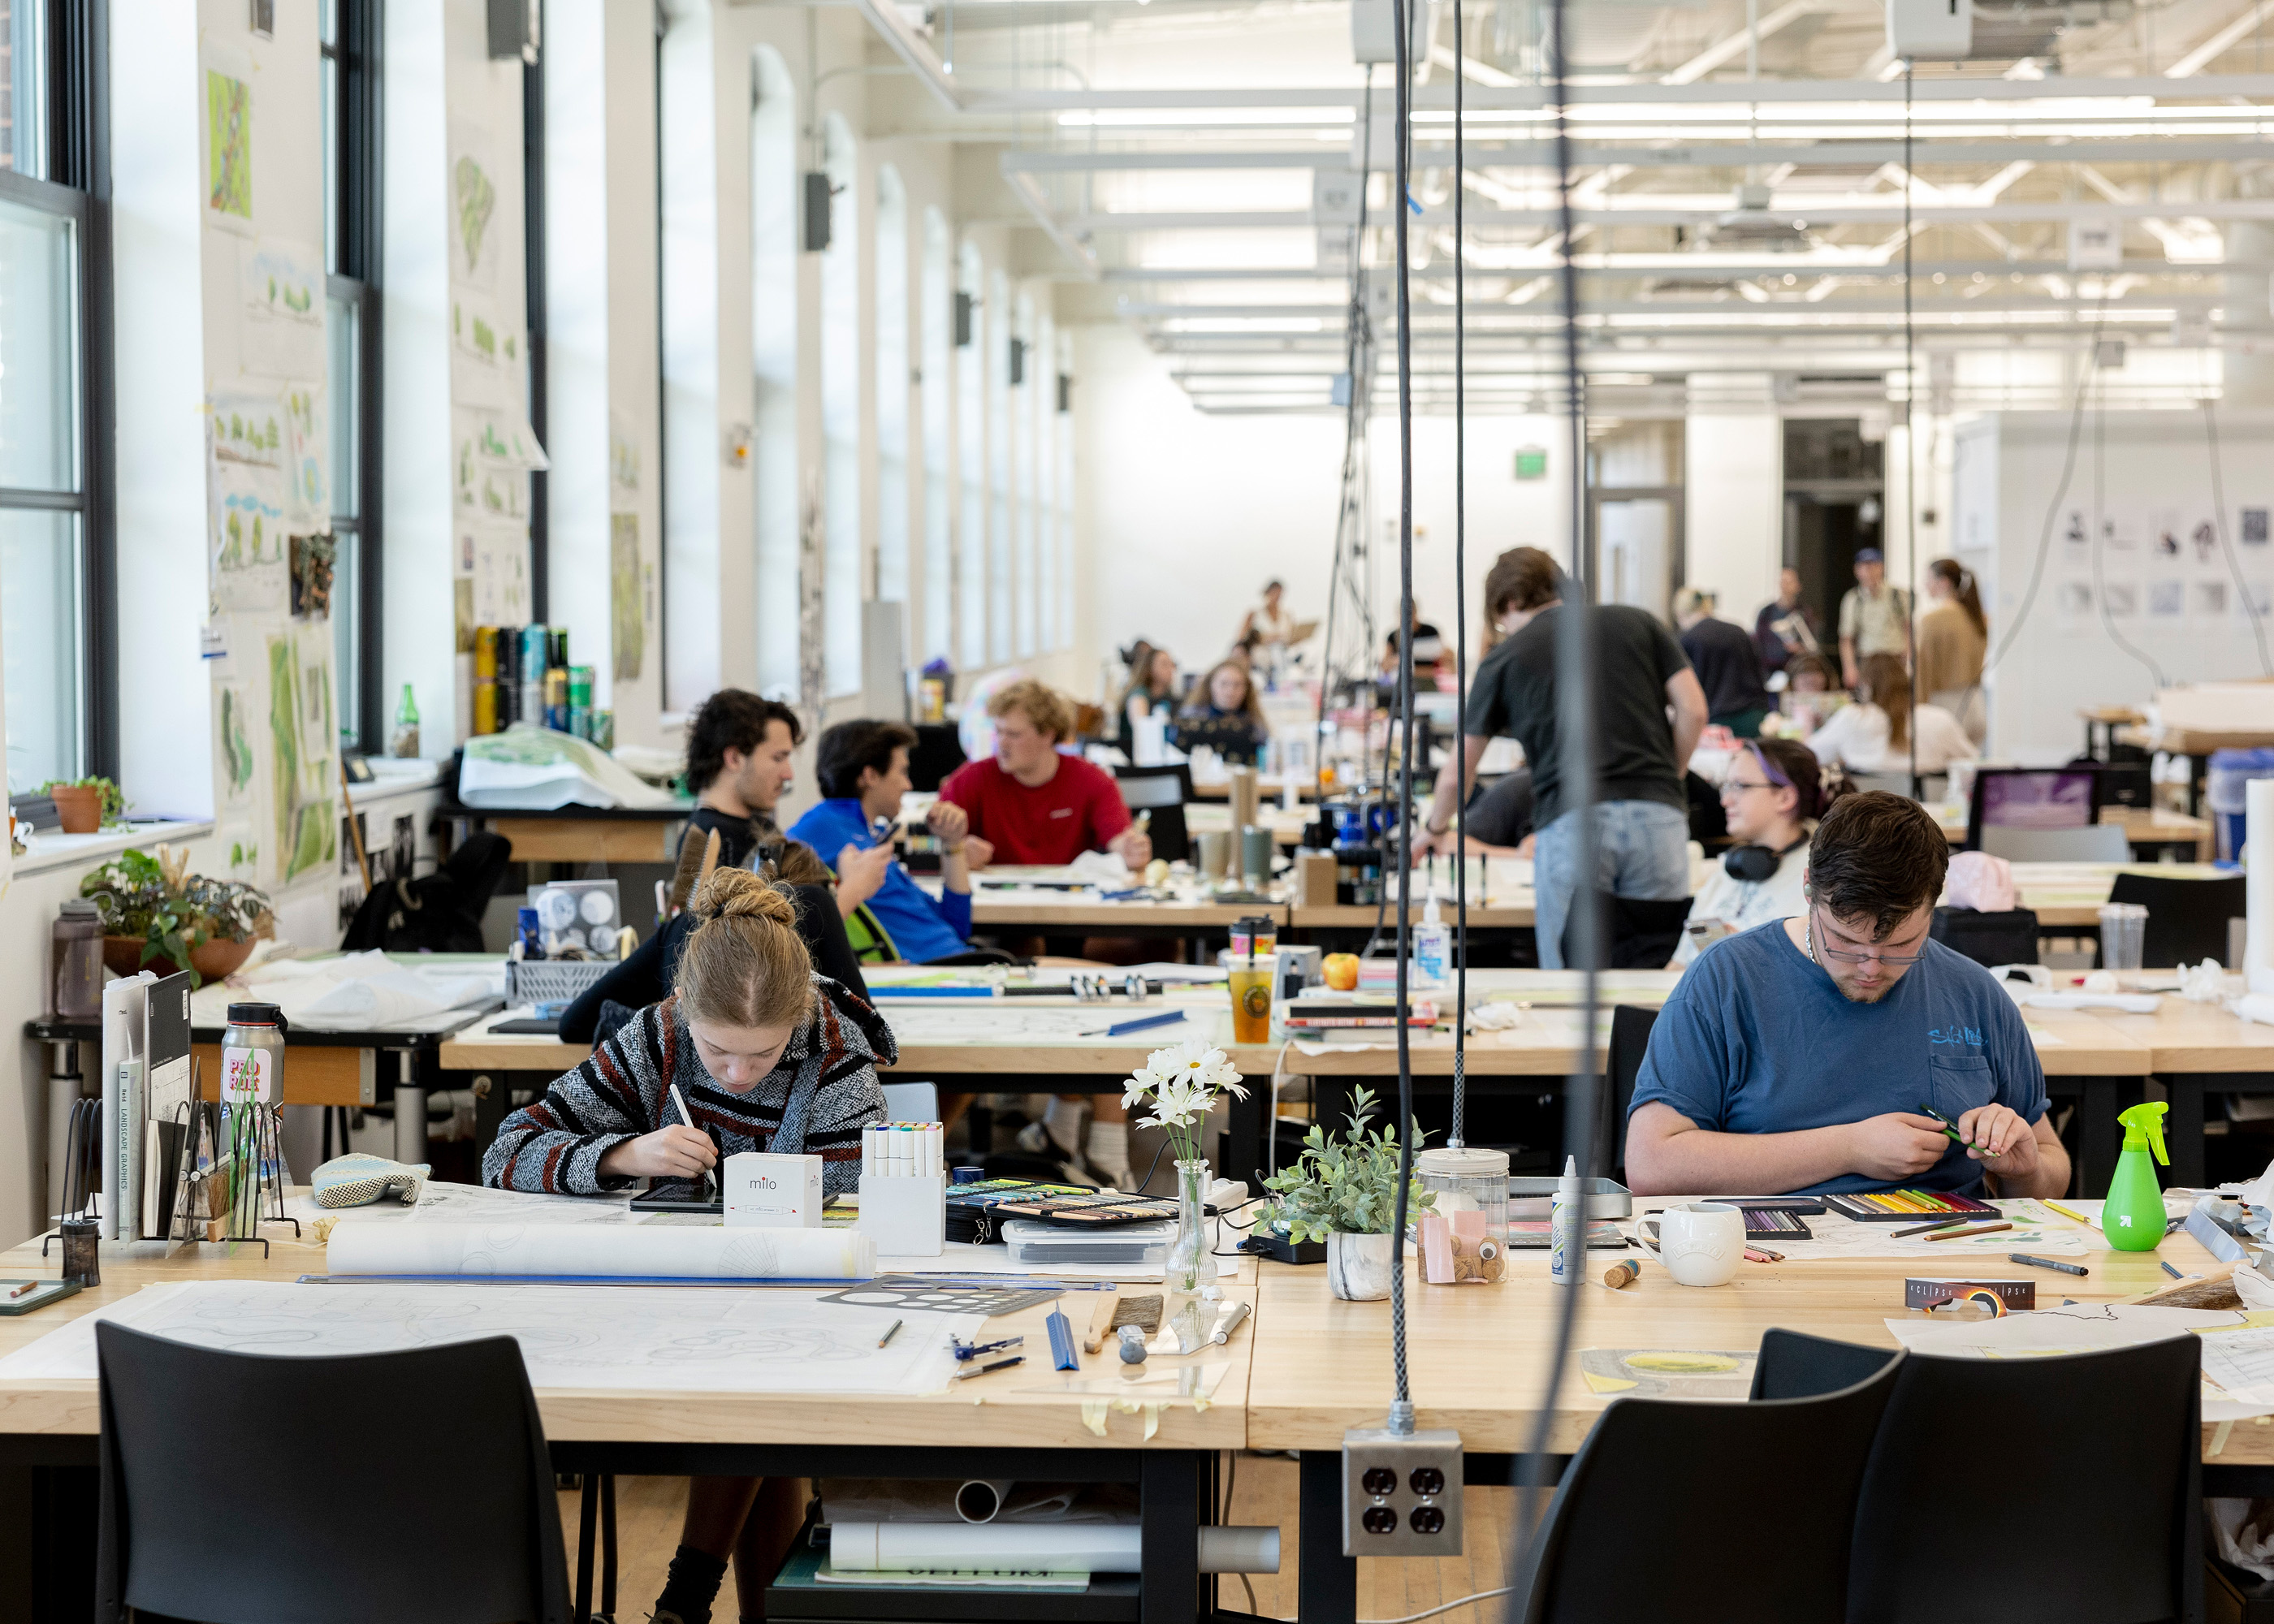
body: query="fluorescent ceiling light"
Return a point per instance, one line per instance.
(1195, 118)
(1244, 324)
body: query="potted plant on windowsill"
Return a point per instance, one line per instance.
(1344, 1191)
(85, 805)
(155, 911)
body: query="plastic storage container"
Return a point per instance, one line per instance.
(75, 962)
(1464, 1237)
(253, 1055)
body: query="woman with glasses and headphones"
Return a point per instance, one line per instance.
(1826, 1052)
(1772, 796)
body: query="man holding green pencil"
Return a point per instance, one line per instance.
(1842, 1049)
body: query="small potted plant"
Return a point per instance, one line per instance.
(1344, 1191)
(85, 805)
(153, 908)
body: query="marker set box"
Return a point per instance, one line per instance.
(903, 1150)
(904, 1188)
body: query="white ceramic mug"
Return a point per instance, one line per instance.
(1701, 1243)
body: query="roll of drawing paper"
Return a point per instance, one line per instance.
(979, 1500)
(2258, 885)
(1034, 1547)
(381, 1247)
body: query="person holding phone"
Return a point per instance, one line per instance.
(768, 1057)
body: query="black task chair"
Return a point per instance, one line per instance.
(2186, 919)
(1643, 933)
(1630, 1028)
(2104, 1452)
(439, 1506)
(2000, 938)
(1162, 791)
(1795, 1364)
(1698, 1473)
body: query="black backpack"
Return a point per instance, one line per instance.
(440, 913)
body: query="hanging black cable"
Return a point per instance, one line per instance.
(1401, 1408)
(1909, 595)
(2226, 545)
(1459, 1135)
(2060, 490)
(1575, 743)
(2099, 497)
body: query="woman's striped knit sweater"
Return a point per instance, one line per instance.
(816, 1100)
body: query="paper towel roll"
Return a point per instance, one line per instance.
(1035, 1547)
(2258, 884)
(378, 1246)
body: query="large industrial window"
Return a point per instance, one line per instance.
(971, 441)
(54, 424)
(840, 414)
(350, 32)
(938, 580)
(891, 388)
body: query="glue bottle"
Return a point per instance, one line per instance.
(1566, 1245)
(1430, 938)
(2133, 1215)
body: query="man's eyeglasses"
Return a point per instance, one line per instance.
(1893, 961)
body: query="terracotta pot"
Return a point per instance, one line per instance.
(80, 807)
(122, 955)
(217, 957)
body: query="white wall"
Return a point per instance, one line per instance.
(1733, 507)
(2157, 480)
(1181, 516)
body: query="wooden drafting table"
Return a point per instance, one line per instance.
(2195, 1050)
(1479, 1362)
(2153, 830)
(583, 834)
(1019, 1423)
(2070, 896)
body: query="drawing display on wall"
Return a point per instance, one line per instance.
(247, 495)
(229, 150)
(627, 631)
(280, 288)
(303, 737)
(473, 200)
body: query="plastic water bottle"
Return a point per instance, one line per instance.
(1566, 1221)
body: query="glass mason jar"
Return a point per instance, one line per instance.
(1463, 1236)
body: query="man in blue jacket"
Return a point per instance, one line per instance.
(864, 770)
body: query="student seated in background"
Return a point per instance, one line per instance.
(1029, 804)
(1152, 687)
(1796, 1057)
(768, 1057)
(1224, 714)
(1772, 799)
(738, 768)
(1727, 664)
(1874, 734)
(863, 769)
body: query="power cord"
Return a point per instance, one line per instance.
(1415, 1618)
(2060, 491)
(2099, 493)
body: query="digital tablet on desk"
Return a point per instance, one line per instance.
(679, 1195)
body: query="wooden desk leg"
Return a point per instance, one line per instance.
(1169, 1510)
(2096, 1133)
(1326, 1581)
(2186, 1133)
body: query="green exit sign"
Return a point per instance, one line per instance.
(1531, 463)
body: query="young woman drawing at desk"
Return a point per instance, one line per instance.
(768, 1056)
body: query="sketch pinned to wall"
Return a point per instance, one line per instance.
(232, 746)
(2073, 531)
(2121, 600)
(811, 535)
(2205, 538)
(2073, 602)
(303, 737)
(2165, 532)
(228, 146)
(2208, 601)
(2253, 527)
(280, 286)
(623, 459)
(248, 496)
(627, 631)
(2255, 596)
(473, 210)
(2167, 600)
(305, 457)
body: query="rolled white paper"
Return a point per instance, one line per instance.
(981, 1499)
(1034, 1547)
(607, 1250)
(2258, 884)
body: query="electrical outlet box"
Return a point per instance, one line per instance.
(1935, 30)
(1401, 1493)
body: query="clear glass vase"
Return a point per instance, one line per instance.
(1189, 1268)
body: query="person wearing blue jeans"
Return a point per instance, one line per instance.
(1649, 712)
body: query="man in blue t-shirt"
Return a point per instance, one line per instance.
(1798, 1056)
(863, 769)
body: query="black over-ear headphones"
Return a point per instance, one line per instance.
(1756, 863)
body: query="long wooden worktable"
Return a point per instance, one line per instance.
(1304, 1369)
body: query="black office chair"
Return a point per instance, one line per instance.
(2000, 938)
(1698, 1473)
(2110, 1446)
(1643, 933)
(939, 752)
(1795, 1364)
(1630, 1028)
(2186, 919)
(1162, 791)
(230, 1494)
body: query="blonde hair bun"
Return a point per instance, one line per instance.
(737, 893)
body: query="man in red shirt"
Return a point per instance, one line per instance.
(1031, 805)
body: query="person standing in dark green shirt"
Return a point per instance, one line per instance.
(1642, 812)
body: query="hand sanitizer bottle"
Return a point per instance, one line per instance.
(1431, 940)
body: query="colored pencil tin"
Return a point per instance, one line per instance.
(1907, 1206)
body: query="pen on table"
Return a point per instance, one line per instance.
(2065, 1268)
(1974, 1228)
(1120, 1027)
(982, 1369)
(1923, 1228)
(2168, 1269)
(890, 1334)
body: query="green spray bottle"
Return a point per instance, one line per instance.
(2133, 1215)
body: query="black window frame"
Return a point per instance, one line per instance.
(356, 280)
